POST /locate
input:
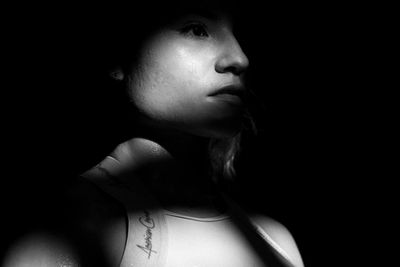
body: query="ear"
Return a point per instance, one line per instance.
(117, 74)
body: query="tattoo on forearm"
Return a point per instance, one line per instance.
(149, 223)
(145, 220)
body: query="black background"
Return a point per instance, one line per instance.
(309, 167)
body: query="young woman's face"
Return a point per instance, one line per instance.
(189, 77)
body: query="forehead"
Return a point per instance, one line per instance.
(123, 28)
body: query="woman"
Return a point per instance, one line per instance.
(156, 199)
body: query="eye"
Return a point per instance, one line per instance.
(195, 29)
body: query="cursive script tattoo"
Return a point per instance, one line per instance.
(149, 223)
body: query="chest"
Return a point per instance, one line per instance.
(208, 243)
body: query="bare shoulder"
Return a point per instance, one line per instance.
(280, 236)
(41, 249)
(100, 222)
(91, 231)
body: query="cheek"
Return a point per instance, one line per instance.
(188, 70)
(170, 80)
(171, 88)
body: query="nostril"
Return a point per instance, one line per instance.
(233, 69)
(237, 69)
(233, 64)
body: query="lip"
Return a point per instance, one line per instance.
(233, 93)
(233, 89)
(230, 99)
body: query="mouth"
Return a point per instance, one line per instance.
(232, 93)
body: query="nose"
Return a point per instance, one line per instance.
(232, 58)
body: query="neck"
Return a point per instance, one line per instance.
(174, 167)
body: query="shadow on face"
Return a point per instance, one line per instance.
(187, 73)
(95, 113)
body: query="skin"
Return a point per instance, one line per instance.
(180, 66)
(172, 85)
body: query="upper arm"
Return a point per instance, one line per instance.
(281, 237)
(41, 250)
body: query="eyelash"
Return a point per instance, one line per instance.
(192, 29)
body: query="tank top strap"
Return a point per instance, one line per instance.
(272, 252)
(147, 229)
